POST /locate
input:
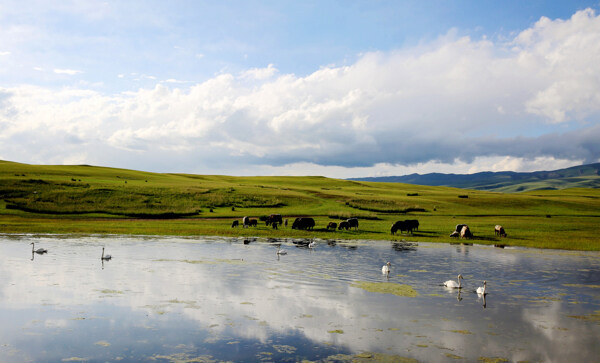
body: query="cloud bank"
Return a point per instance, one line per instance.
(457, 100)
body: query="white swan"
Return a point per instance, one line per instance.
(39, 250)
(481, 289)
(386, 268)
(453, 284)
(107, 257)
(280, 251)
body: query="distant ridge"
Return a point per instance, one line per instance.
(583, 176)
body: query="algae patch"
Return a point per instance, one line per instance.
(386, 288)
(369, 357)
(595, 317)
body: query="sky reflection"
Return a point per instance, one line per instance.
(217, 297)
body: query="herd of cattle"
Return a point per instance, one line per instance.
(308, 223)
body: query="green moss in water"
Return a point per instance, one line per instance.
(491, 360)
(595, 317)
(460, 331)
(369, 357)
(387, 288)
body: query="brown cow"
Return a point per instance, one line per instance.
(499, 230)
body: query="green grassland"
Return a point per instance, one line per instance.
(86, 199)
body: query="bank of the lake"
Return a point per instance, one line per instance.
(95, 200)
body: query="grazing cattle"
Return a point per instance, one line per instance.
(499, 230)
(286, 222)
(459, 227)
(344, 225)
(396, 227)
(303, 223)
(454, 234)
(235, 224)
(253, 222)
(465, 232)
(274, 218)
(413, 223)
(402, 226)
(245, 221)
(332, 225)
(353, 223)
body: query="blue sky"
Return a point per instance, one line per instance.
(335, 88)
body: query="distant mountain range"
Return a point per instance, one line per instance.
(584, 176)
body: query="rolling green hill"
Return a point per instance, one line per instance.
(88, 199)
(584, 176)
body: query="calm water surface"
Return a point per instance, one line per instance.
(222, 299)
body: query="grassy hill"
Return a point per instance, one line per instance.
(584, 176)
(87, 199)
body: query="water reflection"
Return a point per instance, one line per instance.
(236, 299)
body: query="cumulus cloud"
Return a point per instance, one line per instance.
(527, 101)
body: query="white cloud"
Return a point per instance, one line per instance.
(70, 72)
(532, 101)
(2, 54)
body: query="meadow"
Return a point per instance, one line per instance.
(98, 200)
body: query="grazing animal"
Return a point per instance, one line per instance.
(353, 222)
(499, 231)
(332, 225)
(274, 218)
(465, 232)
(481, 289)
(235, 224)
(414, 223)
(39, 251)
(344, 225)
(303, 223)
(455, 234)
(253, 223)
(401, 226)
(107, 257)
(386, 268)
(459, 227)
(245, 221)
(286, 222)
(453, 284)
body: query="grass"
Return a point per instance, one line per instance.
(86, 199)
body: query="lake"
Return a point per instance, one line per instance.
(212, 299)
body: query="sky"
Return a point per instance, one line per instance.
(335, 88)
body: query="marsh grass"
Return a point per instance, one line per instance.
(85, 199)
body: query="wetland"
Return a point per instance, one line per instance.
(213, 299)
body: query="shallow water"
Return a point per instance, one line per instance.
(222, 299)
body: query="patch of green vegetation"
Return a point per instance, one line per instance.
(583, 285)
(337, 331)
(103, 343)
(593, 317)
(460, 331)
(96, 200)
(491, 360)
(184, 358)
(288, 349)
(386, 288)
(368, 357)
